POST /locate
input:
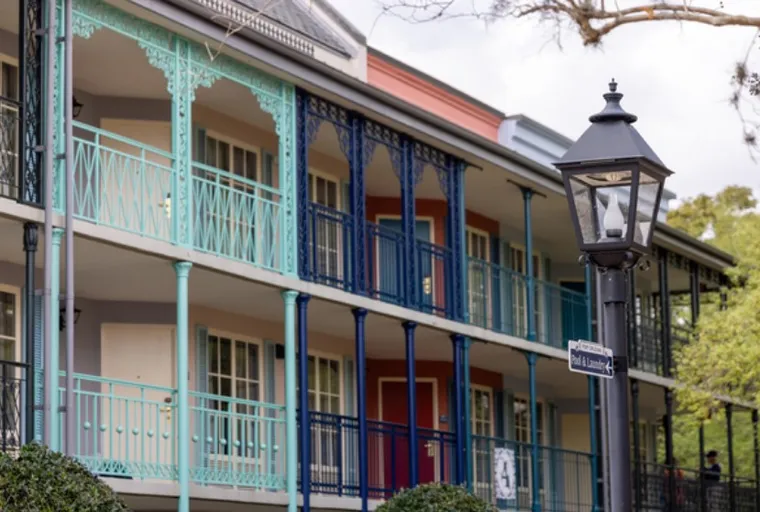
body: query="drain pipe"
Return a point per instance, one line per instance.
(48, 323)
(69, 134)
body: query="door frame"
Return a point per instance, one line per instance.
(487, 313)
(434, 381)
(492, 425)
(382, 216)
(18, 338)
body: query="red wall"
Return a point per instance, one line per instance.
(434, 208)
(440, 370)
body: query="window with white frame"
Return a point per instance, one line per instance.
(8, 325)
(9, 125)
(481, 413)
(325, 398)
(519, 265)
(233, 372)
(324, 193)
(477, 247)
(522, 435)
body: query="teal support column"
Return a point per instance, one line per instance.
(535, 455)
(466, 411)
(54, 423)
(182, 269)
(291, 431)
(285, 122)
(529, 270)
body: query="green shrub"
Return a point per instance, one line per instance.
(41, 480)
(435, 498)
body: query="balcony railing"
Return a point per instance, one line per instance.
(335, 462)
(9, 148)
(565, 477)
(386, 263)
(691, 492)
(13, 377)
(129, 430)
(329, 246)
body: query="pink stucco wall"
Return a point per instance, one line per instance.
(384, 75)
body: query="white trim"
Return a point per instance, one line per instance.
(318, 173)
(220, 333)
(17, 313)
(233, 142)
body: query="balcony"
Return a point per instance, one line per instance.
(129, 430)
(565, 476)
(127, 185)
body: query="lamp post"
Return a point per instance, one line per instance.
(614, 181)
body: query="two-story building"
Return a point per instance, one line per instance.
(305, 273)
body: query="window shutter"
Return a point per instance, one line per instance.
(352, 447)
(507, 291)
(509, 415)
(199, 148)
(271, 435)
(201, 421)
(345, 196)
(38, 369)
(551, 307)
(556, 486)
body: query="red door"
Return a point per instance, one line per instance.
(396, 451)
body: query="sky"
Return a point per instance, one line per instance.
(675, 78)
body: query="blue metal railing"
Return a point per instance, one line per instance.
(434, 271)
(330, 246)
(386, 264)
(497, 298)
(335, 462)
(565, 477)
(563, 314)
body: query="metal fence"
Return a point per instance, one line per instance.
(13, 377)
(330, 246)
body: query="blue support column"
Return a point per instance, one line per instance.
(358, 206)
(291, 436)
(457, 341)
(53, 369)
(182, 270)
(456, 229)
(408, 221)
(360, 316)
(466, 410)
(302, 303)
(411, 394)
(534, 459)
(529, 271)
(302, 181)
(592, 437)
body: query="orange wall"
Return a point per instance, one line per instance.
(440, 370)
(425, 95)
(428, 208)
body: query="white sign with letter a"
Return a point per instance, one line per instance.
(504, 474)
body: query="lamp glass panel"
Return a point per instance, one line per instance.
(602, 205)
(646, 209)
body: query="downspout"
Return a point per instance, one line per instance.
(48, 231)
(69, 205)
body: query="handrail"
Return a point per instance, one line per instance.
(234, 177)
(120, 138)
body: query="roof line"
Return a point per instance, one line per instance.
(256, 46)
(341, 20)
(435, 81)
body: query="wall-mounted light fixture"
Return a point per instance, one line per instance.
(62, 317)
(76, 107)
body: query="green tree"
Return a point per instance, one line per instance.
(722, 357)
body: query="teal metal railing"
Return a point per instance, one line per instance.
(497, 298)
(237, 442)
(125, 184)
(122, 183)
(129, 430)
(235, 217)
(124, 429)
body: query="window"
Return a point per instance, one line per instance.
(522, 436)
(481, 412)
(233, 372)
(519, 265)
(477, 248)
(10, 391)
(327, 222)
(9, 126)
(325, 394)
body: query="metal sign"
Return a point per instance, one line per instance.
(590, 359)
(505, 474)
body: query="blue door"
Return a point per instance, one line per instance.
(574, 312)
(391, 261)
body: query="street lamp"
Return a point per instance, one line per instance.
(607, 173)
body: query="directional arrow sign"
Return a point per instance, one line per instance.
(589, 358)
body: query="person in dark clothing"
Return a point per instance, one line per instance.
(713, 469)
(712, 481)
